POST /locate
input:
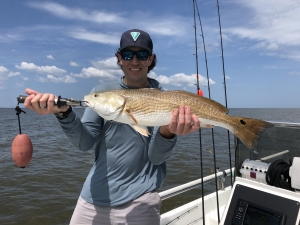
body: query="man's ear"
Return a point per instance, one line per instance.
(120, 59)
(151, 57)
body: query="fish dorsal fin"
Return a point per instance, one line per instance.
(141, 129)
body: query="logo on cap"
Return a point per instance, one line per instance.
(135, 35)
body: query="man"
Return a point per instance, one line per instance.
(129, 167)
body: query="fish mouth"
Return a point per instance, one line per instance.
(87, 104)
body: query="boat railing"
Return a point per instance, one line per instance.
(221, 175)
(285, 124)
(196, 183)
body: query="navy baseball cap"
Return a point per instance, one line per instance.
(136, 37)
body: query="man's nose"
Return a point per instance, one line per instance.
(135, 61)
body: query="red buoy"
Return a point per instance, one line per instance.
(21, 150)
(200, 93)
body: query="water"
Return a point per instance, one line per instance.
(46, 191)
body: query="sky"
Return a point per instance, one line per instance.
(67, 47)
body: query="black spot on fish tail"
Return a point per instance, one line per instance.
(249, 130)
(243, 122)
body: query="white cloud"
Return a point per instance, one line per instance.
(3, 70)
(10, 37)
(41, 69)
(3, 73)
(273, 24)
(12, 74)
(111, 39)
(50, 57)
(174, 26)
(266, 45)
(54, 79)
(6, 74)
(34, 33)
(54, 74)
(73, 64)
(295, 73)
(110, 63)
(104, 69)
(166, 25)
(77, 14)
(93, 72)
(180, 80)
(20, 84)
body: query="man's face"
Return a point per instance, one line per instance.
(135, 70)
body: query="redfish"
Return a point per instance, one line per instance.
(144, 107)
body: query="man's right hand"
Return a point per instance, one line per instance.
(42, 103)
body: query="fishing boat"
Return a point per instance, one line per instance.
(263, 187)
(255, 196)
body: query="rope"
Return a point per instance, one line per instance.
(278, 174)
(18, 112)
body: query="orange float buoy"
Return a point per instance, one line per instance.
(200, 93)
(21, 150)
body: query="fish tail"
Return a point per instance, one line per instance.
(249, 130)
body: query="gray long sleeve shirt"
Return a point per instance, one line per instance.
(127, 164)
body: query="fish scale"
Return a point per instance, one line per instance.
(167, 101)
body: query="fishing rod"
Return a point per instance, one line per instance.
(199, 91)
(200, 136)
(59, 101)
(224, 82)
(212, 130)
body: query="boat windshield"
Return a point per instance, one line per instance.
(279, 142)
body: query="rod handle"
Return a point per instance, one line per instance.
(21, 98)
(59, 102)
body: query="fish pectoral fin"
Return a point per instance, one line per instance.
(141, 129)
(127, 111)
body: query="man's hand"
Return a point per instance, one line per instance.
(42, 103)
(182, 123)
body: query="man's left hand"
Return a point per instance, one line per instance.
(182, 123)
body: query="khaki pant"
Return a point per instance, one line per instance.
(144, 210)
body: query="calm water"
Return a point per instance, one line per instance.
(46, 191)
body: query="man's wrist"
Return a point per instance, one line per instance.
(63, 115)
(164, 132)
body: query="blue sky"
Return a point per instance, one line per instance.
(67, 47)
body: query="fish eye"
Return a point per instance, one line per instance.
(95, 95)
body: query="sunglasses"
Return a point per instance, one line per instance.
(140, 55)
